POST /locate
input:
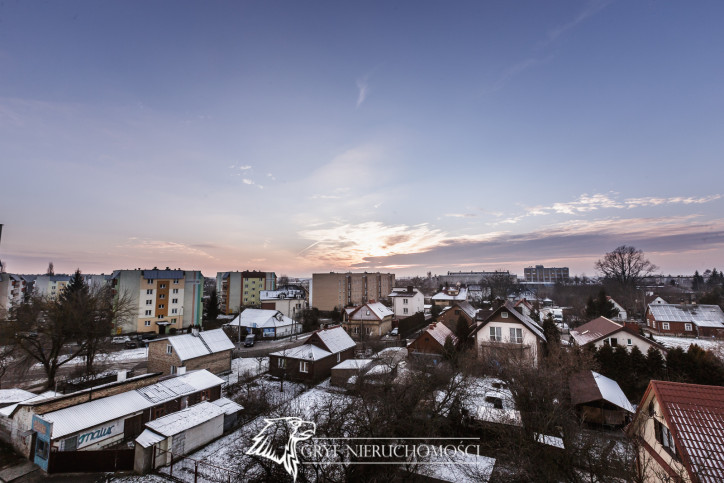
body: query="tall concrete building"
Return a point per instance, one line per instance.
(13, 289)
(547, 275)
(160, 299)
(330, 290)
(242, 289)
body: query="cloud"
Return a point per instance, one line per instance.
(163, 246)
(363, 88)
(590, 10)
(460, 215)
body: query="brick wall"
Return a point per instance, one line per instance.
(159, 360)
(215, 363)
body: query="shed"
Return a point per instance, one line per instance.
(346, 369)
(177, 434)
(599, 400)
(231, 412)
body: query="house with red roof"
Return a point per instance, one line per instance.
(370, 320)
(679, 429)
(602, 331)
(693, 320)
(450, 315)
(432, 340)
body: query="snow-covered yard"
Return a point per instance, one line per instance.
(245, 368)
(684, 343)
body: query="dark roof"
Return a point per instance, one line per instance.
(695, 417)
(531, 324)
(163, 274)
(600, 328)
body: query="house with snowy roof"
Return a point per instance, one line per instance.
(679, 429)
(406, 301)
(508, 334)
(450, 315)
(599, 400)
(210, 350)
(602, 331)
(450, 295)
(372, 319)
(431, 341)
(622, 314)
(314, 360)
(686, 319)
(267, 324)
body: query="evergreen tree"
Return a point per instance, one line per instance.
(212, 306)
(51, 270)
(697, 282)
(550, 331)
(461, 329)
(654, 364)
(601, 306)
(639, 372)
(75, 286)
(676, 365)
(604, 358)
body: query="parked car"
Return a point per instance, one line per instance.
(132, 344)
(394, 332)
(249, 341)
(121, 339)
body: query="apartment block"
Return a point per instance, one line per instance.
(330, 290)
(541, 274)
(242, 289)
(12, 290)
(160, 299)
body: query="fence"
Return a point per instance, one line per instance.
(184, 468)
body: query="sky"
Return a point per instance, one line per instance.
(407, 136)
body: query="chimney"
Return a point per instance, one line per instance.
(195, 331)
(121, 375)
(432, 326)
(409, 288)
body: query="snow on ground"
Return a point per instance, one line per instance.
(245, 368)
(129, 355)
(684, 343)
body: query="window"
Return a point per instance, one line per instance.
(162, 296)
(495, 401)
(368, 312)
(206, 394)
(174, 311)
(174, 301)
(173, 369)
(614, 342)
(175, 290)
(663, 436)
(147, 323)
(629, 342)
(148, 312)
(355, 330)
(665, 326)
(159, 316)
(163, 285)
(457, 312)
(281, 363)
(516, 335)
(169, 349)
(173, 321)
(504, 315)
(496, 334)
(149, 302)
(368, 330)
(159, 411)
(149, 291)
(175, 282)
(150, 282)
(404, 301)
(303, 366)
(161, 306)
(687, 327)
(404, 310)
(41, 449)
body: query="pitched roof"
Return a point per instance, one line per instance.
(403, 292)
(701, 315)
(184, 419)
(531, 324)
(261, 318)
(308, 352)
(469, 310)
(695, 417)
(380, 311)
(440, 332)
(462, 294)
(189, 346)
(336, 339)
(590, 386)
(595, 329)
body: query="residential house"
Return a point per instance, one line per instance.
(477, 292)
(602, 331)
(267, 324)
(314, 360)
(686, 319)
(621, 315)
(160, 300)
(237, 290)
(406, 301)
(599, 400)
(679, 429)
(431, 341)
(210, 350)
(524, 307)
(452, 313)
(330, 290)
(655, 299)
(507, 333)
(450, 295)
(290, 300)
(372, 319)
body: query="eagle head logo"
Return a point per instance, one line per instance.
(278, 440)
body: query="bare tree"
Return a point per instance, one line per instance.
(625, 265)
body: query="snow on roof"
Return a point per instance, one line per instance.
(148, 438)
(93, 413)
(10, 396)
(458, 467)
(695, 416)
(440, 333)
(229, 407)
(216, 340)
(187, 346)
(593, 330)
(701, 315)
(554, 441)
(336, 339)
(188, 418)
(590, 386)
(403, 292)
(611, 392)
(353, 364)
(261, 318)
(461, 295)
(307, 352)
(378, 310)
(8, 410)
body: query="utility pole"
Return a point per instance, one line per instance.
(2, 267)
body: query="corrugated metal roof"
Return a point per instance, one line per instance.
(307, 352)
(188, 346)
(180, 421)
(148, 438)
(695, 416)
(228, 406)
(336, 339)
(216, 340)
(9, 396)
(701, 315)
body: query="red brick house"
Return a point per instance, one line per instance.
(314, 360)
(686, 319)
(432, 340)
(679, 429)
(210, 350)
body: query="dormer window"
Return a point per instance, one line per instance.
(504, 314)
